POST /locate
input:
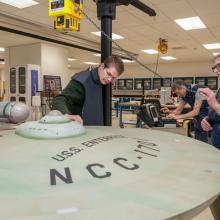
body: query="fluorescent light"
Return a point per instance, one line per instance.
(128, 61)
(2, 49)
(71, 59)
(114, 36)
(216, 54)
(212, 46)
(20, 3)
(97, 54)
(90, 63)
(150, 51)
(168, 58)
(191, 23)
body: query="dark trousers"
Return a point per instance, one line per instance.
(199, 133)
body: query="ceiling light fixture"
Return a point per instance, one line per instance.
(150, 51)
(212, 46)
(128, 61)
(114, 36)
(216, 54)
(168, 58)
(2, 49)
(71, 59)
(90, 63)
(20, 3)
(191, 23)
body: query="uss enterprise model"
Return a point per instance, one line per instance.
(57, 169)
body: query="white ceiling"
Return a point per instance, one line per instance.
(140, 30)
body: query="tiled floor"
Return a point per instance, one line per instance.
(206, 214)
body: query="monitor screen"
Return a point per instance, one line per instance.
(154, 113)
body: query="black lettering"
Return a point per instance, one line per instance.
(62, 158)
(146, 143)
(92, 172)
(75, 150)
(153, 155)
(66, 179)
(87, 144)
(141, 145)
(135, 166)
(67, 153)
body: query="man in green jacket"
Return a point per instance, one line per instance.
(82, 100)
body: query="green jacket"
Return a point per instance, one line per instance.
(71, 100)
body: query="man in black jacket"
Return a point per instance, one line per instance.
(82, 100)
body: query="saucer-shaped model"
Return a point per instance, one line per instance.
(55, 125)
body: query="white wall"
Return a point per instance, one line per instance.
(25, 54)
(54, 62)
(51, 58)
(170, 70)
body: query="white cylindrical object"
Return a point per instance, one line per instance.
(15, 112)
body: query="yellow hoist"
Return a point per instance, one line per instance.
(67, 14)
(163, 46)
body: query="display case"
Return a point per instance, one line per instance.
(24, 82)
(139, 82)
(125, 84)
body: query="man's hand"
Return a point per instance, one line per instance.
(75, 118)
(205, 124)
(165, 110)
(174, 116)
(209, 96)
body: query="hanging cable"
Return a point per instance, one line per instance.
(120, 48)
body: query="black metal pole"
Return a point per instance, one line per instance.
(106, 50)
(106, 10)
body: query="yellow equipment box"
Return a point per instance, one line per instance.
(67, 14)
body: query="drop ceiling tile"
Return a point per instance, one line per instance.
(177, 9)
(203, 7)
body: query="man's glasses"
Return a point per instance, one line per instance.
(217, 66)
(109, 75)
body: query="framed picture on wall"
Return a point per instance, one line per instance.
(114, 85)
(52, 83)
(212, 82)
(138, 83)
(166, 82)
(125, 84)
(187, 80)
(157, 83)
(129, 84)
(200, 81)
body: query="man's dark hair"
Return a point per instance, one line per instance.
(179, 84)
(115, 61)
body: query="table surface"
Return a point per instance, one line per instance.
(107, 173)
